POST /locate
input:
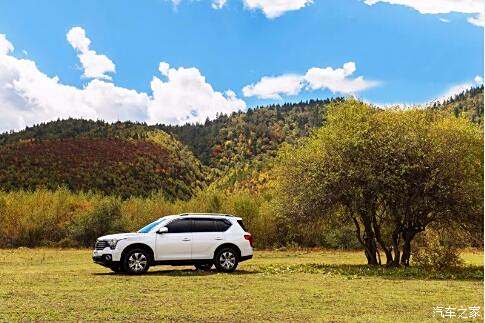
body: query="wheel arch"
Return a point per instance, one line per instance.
(230, 245)
(139, 245)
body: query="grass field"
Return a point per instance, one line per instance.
(49, 284)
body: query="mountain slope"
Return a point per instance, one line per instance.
(127, 158)
(468, 103)
(124, 159)
(232, 141)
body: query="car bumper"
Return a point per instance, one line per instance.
(106, 257)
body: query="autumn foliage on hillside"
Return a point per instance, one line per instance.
(110, 166)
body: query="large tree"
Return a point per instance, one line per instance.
(390, 172)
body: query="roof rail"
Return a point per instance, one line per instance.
(207, 213)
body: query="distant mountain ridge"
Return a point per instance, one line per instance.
(132, 159)
(468, 103)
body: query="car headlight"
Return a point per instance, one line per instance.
(112, 243)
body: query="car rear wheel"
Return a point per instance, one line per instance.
(226, 260)
(136, 262)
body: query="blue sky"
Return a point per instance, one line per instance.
(261, 51)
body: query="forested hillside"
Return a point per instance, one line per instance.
(137, 172)
(468, 104)
(124, 159)
(230, 141)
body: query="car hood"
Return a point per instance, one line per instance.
(120, 236)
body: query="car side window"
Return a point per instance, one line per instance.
(204, 225)
(180, 226)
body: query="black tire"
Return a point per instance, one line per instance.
(116, 268)
(226, 259)
(136, 262)
(203, 267)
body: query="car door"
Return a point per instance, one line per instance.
(176, 244)
(206, 236)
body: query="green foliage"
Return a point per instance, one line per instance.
(231, 141)
(104, 219)
(64, 218)
(77, 128)
(390, 172)
(436, 254)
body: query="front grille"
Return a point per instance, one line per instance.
(100, 245)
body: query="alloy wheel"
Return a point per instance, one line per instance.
(227, 260)
(137, 262)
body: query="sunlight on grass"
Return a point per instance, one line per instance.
(296, 285)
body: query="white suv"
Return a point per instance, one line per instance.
(202, 240)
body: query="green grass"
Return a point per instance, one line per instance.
(317, 285)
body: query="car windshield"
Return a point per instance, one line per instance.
(150, 226)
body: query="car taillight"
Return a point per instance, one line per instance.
(249, 238)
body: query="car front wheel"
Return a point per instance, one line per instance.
(136, 262)
(226, 260)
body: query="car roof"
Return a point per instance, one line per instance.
(203, 215)
(209, 215)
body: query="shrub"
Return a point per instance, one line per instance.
(104, 218)
(435, 253)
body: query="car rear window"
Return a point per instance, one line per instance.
(241, 224)
(222, 225)
(210, 225)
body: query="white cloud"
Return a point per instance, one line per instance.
(28, 96)
(471, 7)
(336, 80)
(5, 46)
(271, 8)
(164, 67)
(275, 8)
(94, 65)
(478, 20)
(76, 36)
(274, 87)
(444, 20)
(218, 4)
(186, 97)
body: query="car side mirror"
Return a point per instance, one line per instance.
(162, 230)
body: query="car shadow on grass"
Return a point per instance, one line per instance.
(182, 273)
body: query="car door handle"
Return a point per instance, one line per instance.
(219, 238)
(186, 239)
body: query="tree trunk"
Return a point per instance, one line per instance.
(408, 235)
(387, 252)
(371, 251)
(406, 253)
(368, 242)
(395, 249)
